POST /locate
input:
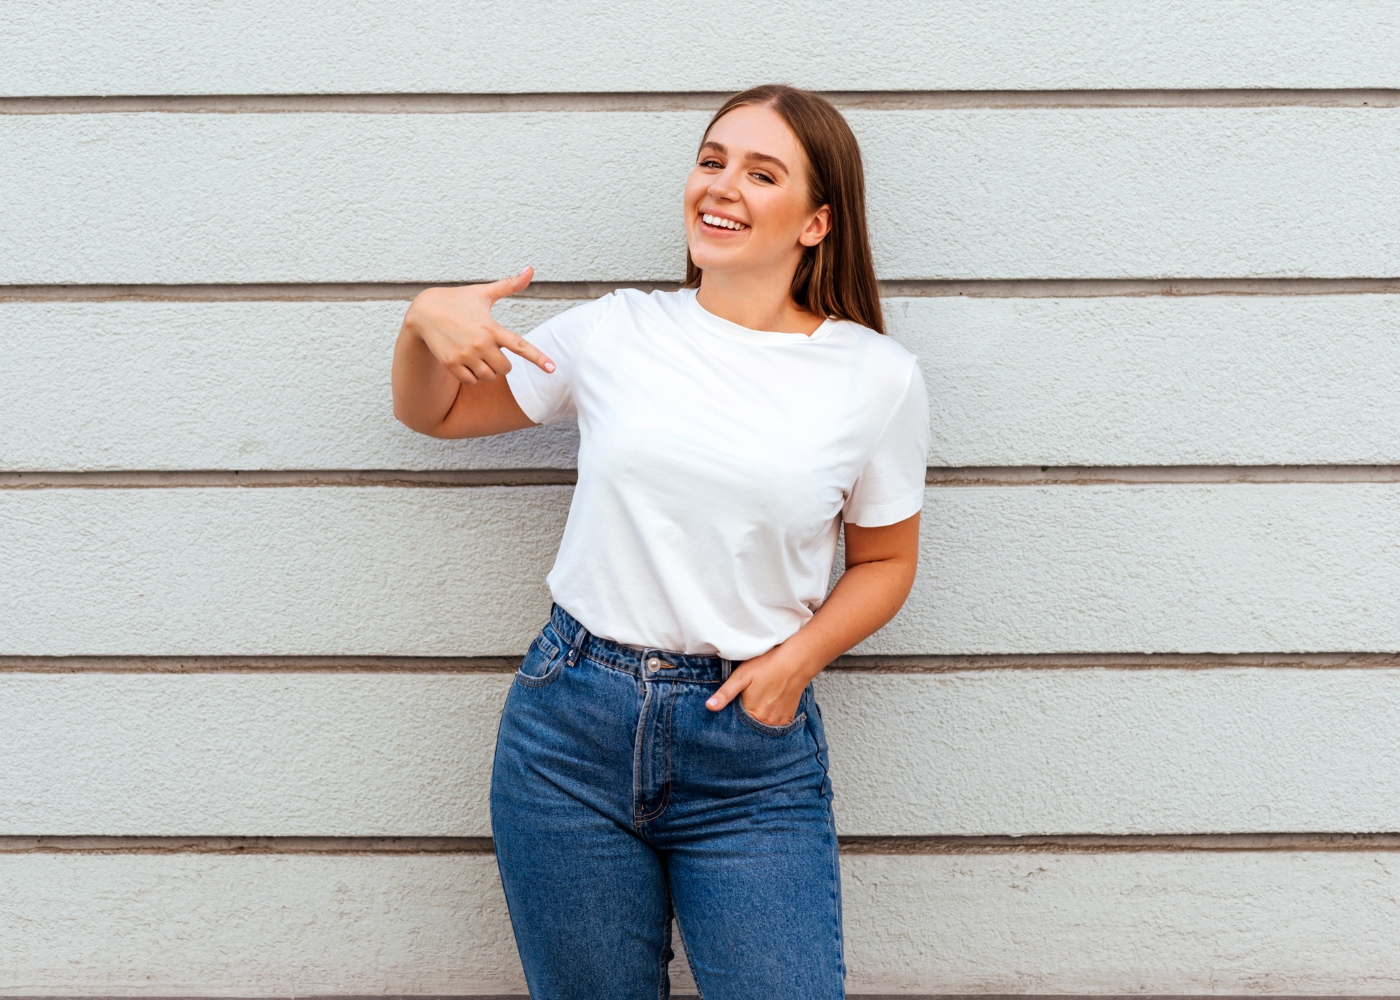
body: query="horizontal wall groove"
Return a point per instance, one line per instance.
(215, 479)
(1050, 475)
(902, 845)
(654, 101)
(948, 664)
(118, 844)
(1132, 843)
(920, 664)
(357, 291)
(258, 664)
(1035, 475)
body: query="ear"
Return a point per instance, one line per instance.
(817, 227)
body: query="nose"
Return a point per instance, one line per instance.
(722, 186)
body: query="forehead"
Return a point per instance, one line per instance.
(752, 129)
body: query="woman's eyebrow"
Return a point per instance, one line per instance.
(719, 147)
(766, 158)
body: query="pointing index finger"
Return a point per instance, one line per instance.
(517, 344)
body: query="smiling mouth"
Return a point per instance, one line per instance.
(719, 222)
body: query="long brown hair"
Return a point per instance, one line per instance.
(836, 277)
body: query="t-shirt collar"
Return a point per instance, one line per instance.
(734, 331)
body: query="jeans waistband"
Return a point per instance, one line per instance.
(650, 663)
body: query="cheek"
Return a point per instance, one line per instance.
(777, 214)
(694, 189)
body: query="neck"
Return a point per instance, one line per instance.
(757, 301)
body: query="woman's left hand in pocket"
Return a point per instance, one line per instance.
(770, 685)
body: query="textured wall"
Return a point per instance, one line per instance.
(1135, 731)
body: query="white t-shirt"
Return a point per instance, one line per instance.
(716, 463)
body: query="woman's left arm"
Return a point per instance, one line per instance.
(880, 564)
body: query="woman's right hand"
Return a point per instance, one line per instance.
(447, 358)
(456, 325)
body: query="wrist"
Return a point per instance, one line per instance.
(797, 662)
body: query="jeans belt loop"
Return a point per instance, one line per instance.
(576, 647)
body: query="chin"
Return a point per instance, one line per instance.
(711, 259)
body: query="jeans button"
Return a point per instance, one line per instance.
(654, 664)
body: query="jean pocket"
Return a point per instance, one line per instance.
(542, 663)
(764, 727)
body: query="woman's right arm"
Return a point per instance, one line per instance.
(448, 358)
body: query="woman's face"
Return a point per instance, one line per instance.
(747, 205)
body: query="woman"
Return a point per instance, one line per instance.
(661, 751)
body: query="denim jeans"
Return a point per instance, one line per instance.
(619, 800)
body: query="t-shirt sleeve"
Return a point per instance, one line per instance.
(548, 397)
(891, 486)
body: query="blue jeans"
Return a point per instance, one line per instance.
(619, 800)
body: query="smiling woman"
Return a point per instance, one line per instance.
(661, 752)
(834, 275)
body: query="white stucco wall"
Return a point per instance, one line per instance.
(1180, 265)
(1232, 380)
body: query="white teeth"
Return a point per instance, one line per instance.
(716, 220)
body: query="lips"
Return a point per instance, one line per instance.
(722, 222)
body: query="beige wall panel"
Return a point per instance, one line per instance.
(1114, 752)
(296, 754)
(1233, 380)
(378, 570)
(1232, 568)
(231, 385)
(251, 926)
(1053, 193)
(281, 570)
(980, 753)
(259, 925)
(1123, 923)
(143, 47)
(1032, 381)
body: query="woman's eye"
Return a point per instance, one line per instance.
(711, 163)
(763, 177)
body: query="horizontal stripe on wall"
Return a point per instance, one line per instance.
(943, 476)
(699, 100)
(992, 194)
(404, 291)
(447, 572)
(434, 46)
(969, 755)
(1244, 380)
(889, 664)
(269, 925)
(307, 570)
(1064, 843)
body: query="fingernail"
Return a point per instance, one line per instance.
(549, 366)
(713, 703)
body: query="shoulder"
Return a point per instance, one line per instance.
(879, 357)
(624, 302)
(589, 313)
(636, 301)
(577, 323)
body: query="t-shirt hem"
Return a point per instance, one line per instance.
(888, 513)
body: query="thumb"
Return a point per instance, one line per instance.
(497, 290)
(727, 692)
